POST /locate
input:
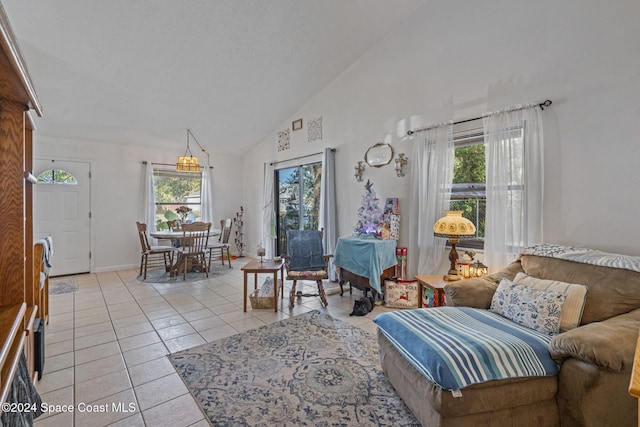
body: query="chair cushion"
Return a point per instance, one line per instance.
(312, 275)
(304, 248)
(162, 248)
(217, 245)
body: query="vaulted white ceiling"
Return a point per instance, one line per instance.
(143, 71)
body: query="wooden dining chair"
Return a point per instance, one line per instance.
(153, 255)
(193, 246)
(222, 245)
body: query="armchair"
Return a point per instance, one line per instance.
(305, 260)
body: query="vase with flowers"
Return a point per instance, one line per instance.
(183, 211)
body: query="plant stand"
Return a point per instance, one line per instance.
(239, 222)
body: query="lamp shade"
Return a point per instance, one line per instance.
(187, 164)
(454, 225)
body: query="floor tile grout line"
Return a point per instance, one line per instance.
(133, 390)
(164, 344)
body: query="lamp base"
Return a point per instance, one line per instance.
(452, 276)
(453, 257)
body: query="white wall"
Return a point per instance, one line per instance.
(458, 59)
(117, 178)
(450, 60)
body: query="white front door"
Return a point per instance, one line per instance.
(62, 210)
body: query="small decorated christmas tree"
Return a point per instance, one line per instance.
(369, 214)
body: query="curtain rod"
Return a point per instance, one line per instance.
(541, 105)
(298, 158)
(144, 162)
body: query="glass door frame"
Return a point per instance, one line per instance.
(280, 243)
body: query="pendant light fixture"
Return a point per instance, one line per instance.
(189, 163)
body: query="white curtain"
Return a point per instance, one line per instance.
(206, 202)
(514, 161)
(148, 199)
(328, 209)
(430, 195)
(268, 212)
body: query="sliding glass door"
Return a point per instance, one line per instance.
(297, 200)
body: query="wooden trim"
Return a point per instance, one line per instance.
(12, 341)
(12, 203)
(14, 55)
(28, 231)
(9, 369)
(634, 385)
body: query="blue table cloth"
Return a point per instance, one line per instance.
(367, 257)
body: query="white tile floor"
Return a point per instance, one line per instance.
(107, 343)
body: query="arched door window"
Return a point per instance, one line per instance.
(57, 176)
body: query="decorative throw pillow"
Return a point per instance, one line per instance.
(573, 306)
(533, 308)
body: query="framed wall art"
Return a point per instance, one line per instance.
(283, 140)
(314, 130)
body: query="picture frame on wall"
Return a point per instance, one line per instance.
(296, 124)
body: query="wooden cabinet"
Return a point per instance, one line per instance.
(361, 282)
(17, 302)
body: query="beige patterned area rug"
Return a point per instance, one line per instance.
(308, 370)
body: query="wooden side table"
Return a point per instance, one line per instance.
(435, 282)
(267, 266)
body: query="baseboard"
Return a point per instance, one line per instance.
(115, 268)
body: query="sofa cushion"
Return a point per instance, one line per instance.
(609, 344)
(612, 291)
(573, 306)
(478, 291)
(424, 397)
(530, 307)
(456, 347)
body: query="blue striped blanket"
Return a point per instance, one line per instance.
(455, 347)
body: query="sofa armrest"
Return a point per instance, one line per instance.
(609, 344)
(478, 292)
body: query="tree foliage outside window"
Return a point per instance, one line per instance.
(468, 193)
(298, 200)
(469, 165)
(173, 189)
(290, 195)
(57, 176)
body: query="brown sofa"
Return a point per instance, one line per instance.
(591, 388)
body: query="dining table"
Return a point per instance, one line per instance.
(176, 236)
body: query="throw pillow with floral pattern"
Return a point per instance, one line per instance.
(533, 308)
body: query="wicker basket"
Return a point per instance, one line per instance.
(260, 302)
